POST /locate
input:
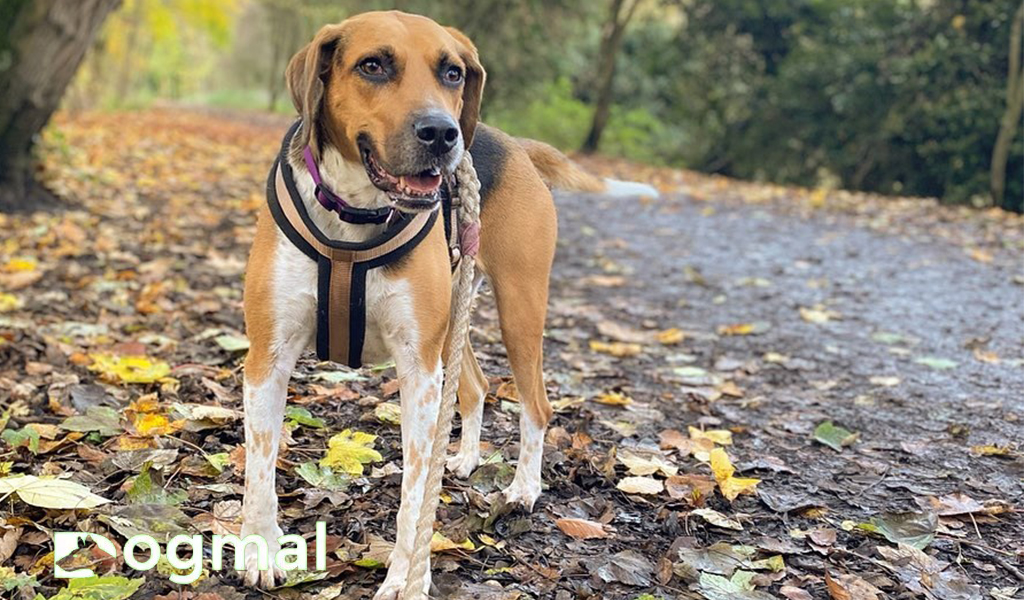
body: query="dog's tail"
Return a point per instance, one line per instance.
(558, 171)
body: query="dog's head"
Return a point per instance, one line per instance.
(394, 91)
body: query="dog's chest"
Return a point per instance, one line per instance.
(390, 323)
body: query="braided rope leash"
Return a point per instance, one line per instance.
(462, 308)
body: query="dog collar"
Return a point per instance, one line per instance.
(335, 203)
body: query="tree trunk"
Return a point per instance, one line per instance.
(611, 42)
(1011, 117)
(42, 43)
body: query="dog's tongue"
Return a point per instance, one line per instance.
(422, 184)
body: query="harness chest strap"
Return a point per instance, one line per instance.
(342, 267)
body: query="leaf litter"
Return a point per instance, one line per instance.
(684, 398)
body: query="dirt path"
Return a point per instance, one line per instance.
(895, 361)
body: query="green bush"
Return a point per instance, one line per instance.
(557, 117)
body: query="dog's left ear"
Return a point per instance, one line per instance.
(307, 76)
(473, 90)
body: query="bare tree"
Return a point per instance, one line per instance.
(1011, 117)
(42, 43)
(619, 16)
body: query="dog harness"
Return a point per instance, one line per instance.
(342, 266)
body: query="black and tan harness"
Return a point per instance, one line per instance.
(342, 266)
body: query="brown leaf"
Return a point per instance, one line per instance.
(582, 529)
(850, 587)
(9, 543)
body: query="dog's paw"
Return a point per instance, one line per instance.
(522, 492)
(394, 587)
(263, 579)
(253, 576)
(463, 464)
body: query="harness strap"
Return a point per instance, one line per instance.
(341, 266)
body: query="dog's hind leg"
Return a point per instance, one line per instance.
(472, 389)
(519, 275)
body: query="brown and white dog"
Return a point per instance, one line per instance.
(388, 100)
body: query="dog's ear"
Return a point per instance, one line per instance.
(306, 75)
(473, 91)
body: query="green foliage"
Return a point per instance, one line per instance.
(892, 96)
(885, 95)
(560, 119)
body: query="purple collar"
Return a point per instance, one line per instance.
(334, 203)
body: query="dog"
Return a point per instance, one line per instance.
(389, 102)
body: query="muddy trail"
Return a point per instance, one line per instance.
(760, 392)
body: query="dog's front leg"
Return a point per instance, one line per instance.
(420, 388)
(267, 370)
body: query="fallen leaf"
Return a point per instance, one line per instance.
(646, 464)
(50, 493)
(129, 369)
(850, 587)
(670, 337)
(640, 485)
(833, 436)
(628, 567)
(107, 587)
(916, 530)
(616, 349)
(350, 451)
(582, 529)
(613, 399)
(717, 519)
(388, 412)
(933, 362)
(440, 543)
(719, 436)
(730, 486)
(692, 488)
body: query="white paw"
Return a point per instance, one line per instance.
(394, 586)
(253, 576)
(463, 463)
(523, 493)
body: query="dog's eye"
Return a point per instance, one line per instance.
(453, 75)
(371, 67)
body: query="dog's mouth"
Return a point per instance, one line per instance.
(413, 192)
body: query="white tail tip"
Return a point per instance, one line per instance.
(621, 189)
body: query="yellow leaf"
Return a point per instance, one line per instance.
(721, 466)
(730, 486)
(990, 450)
(152, 424)
(129, 369)
(9, 302)
(350, 451)
(616, 349)
(671, 337)
(439, 543)
(614, 399)
(737, 329)
(18, 265)
(388, 412)
(734, 486)
(718, 436)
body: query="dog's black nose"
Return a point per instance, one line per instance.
(438, 132)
